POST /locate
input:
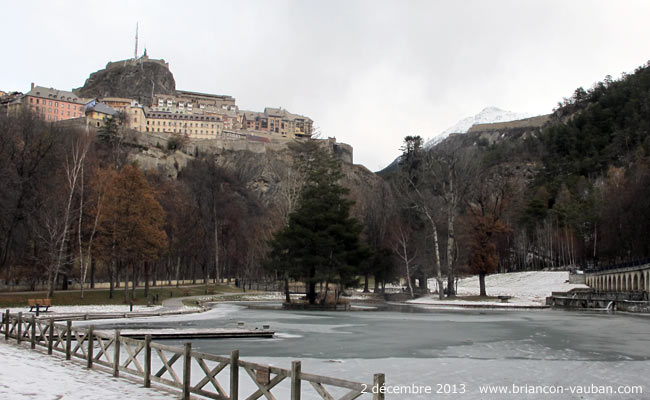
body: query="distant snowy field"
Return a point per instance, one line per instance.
(526, 288)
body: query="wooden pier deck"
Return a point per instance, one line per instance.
(195, 333)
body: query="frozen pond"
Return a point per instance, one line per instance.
(439, 347)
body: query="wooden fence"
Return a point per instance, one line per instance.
(172, 366)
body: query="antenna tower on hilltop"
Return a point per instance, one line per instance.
(135, 55)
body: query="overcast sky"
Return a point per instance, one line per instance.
(367, 72)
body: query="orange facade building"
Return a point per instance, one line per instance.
(54, 105)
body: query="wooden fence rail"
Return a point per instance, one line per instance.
(172, 366)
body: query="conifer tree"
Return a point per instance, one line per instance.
(320, 243)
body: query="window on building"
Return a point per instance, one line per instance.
(135, 120)
(56, 104)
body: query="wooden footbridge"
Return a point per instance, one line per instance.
(180, 368)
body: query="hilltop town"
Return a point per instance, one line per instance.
(146, 107)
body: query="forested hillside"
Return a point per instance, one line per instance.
(572, 193)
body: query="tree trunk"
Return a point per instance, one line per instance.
(147, 272)
(287, 294)
(311, 293)
(111, 270)
(126, 285)
(206, 274)
(451, 214)
(178, 270)
(327, 286)
(441, 292)
(154, 275)
(217, 277)
(134, 281)
(365, 284)
(92, 273)
(481, 282)
(408, 279)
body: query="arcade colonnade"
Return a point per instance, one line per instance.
(637, 280)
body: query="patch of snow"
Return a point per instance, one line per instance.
(91, 309)
(526, 288)
(488, 115)
(446, 374)
(266, 296)
(28, 375)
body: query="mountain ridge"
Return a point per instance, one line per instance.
(488, 115)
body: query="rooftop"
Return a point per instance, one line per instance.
(208, 95)
(55, 94)
(103, 108)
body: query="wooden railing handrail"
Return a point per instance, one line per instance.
(105, 348)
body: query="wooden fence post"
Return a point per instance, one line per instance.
(32, 332)
(91, 343)
(295, 380)
(147, 361)
(378, 385)
(187, 370)
(68, 339)
(116, 354)
(50, 343)
(20, 327)
(7, 318)
(234, 375)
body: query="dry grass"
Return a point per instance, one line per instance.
(100, 296)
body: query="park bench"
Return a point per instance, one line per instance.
(504, 299)
(38, 304)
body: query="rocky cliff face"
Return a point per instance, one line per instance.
(134, 80)
(269, 171)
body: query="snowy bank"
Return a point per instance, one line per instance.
(526, 288)
(28, 374)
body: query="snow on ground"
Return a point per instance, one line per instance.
(466, 378)
(27, 375)
(266, 296)
(526, 288)
(91, 309)
(213, 313)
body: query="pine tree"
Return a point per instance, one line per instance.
(320, 243)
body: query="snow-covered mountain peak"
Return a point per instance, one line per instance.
(488, 115)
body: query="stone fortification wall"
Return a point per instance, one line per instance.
(534, 122)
